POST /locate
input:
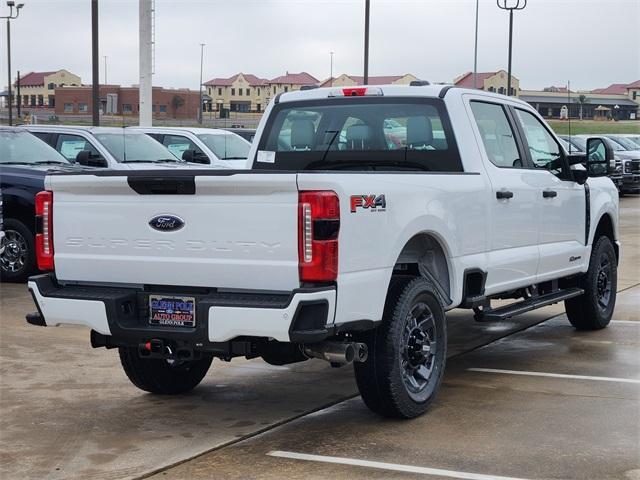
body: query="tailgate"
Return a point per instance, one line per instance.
(239, 230)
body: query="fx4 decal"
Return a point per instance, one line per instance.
(376, 203)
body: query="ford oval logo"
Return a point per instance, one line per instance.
(166, 223)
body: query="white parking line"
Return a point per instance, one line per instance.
(555, 375)
(626, 322)
(389, 466)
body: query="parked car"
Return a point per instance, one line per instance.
(107, 147)
(24, 163)
(213, 147)
(344, 251)
(626, 143)
(630, 160)
(631, 166)
(579, 143)
(569, 145)
(247, 133)
(633, 137)
(1, 226)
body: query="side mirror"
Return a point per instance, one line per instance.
(576, 159)
(193, 156)
(580, 176)
(187, 155)
(599, 156)
(85, 158)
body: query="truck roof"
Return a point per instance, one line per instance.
(428, 91)
(196, 130)
(84, 128)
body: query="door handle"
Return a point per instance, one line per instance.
(502, 194)
(549, 194)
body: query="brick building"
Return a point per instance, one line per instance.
(118, 100)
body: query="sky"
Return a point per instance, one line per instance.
(589, 43)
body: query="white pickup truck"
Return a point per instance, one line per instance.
(367, 213)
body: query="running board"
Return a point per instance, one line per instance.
(533, 303)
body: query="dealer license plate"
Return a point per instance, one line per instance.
(171, 311)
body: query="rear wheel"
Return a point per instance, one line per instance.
(18, 260)
(593, 309)
(407, 352)
(168, 377)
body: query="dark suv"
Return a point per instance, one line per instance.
(24, 162)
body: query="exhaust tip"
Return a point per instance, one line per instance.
(349, 353)
(362, 352)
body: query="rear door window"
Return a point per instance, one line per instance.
(360, 133)
(497, 135)
(70, 145)
(177, 144)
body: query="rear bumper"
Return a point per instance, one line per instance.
(301, 316)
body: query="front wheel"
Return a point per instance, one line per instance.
(168, 377)
(407, 351)
(593, 310)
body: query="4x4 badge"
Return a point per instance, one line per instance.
(376, 203)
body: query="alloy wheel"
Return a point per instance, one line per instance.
(14, 257)
(418, 349)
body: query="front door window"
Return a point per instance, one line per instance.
(544, 150)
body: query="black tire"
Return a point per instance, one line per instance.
(18, 260)
(593, 309)
(391, 381)
(160, 376)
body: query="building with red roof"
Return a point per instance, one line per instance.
(345, 80)
(37, 89)
(244, 92)
(489, 81)
(613, 89)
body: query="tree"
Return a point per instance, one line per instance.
(581, 100)
(176, 102)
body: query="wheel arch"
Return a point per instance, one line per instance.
(20, 208)
(425, 254)
(605, 227)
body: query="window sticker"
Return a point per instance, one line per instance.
(266, 156)
(178, 148)
(71, 148)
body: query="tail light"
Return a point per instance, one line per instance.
(44, 230)
(318, 224)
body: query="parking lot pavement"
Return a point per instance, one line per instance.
(629, 227)
(500, 420)
(68, 411)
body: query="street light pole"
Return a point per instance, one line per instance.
(95, 66)
(331, 70)
(475, 50)
(105, 69)
(200, 85)
(9, 69)
(11, 4)
(366, 42)
(511, 6)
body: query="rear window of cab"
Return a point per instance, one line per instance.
(360, 133)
